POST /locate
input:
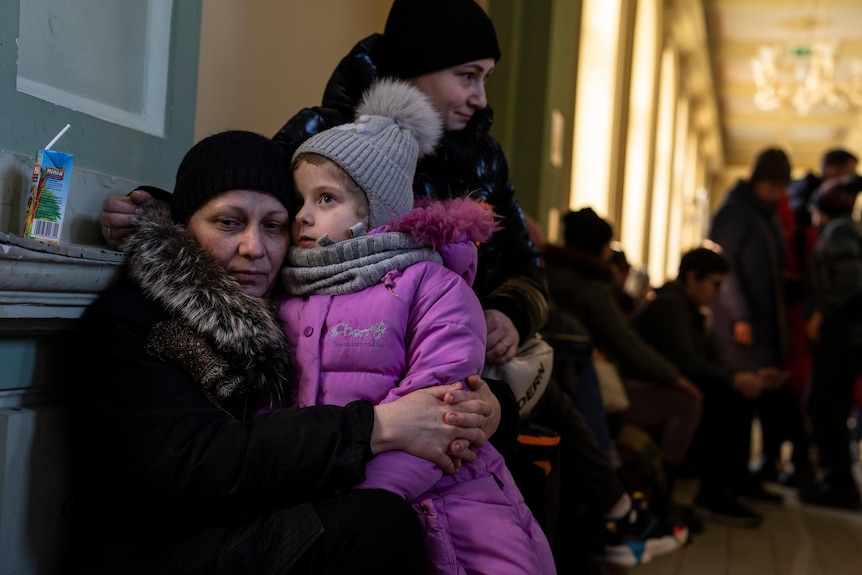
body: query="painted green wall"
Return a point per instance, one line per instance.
(27, 123)
(535, 76)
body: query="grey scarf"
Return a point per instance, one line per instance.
(352, 265)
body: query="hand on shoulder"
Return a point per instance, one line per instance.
(118, 215)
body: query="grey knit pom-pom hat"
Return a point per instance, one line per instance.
(396, 124)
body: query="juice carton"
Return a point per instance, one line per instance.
(49, 191)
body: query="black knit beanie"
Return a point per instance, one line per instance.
(424, 36)
(587, 230)
(232, 160)
(771, 165)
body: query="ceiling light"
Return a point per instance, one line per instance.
(802, 77)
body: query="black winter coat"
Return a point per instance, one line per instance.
(581, 284)
(468, 162)
(749, 231)
(156, 463)
(675, 326)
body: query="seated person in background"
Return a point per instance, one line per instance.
(381, 305)
(184, 460)
(835, 330)
(580, 282)
(675, 324)
(594, 517)
(598, 514)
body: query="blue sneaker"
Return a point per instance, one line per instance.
(640, 536)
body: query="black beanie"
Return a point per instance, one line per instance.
(771, 165)
(232, 160)
(424, 36)
(587, 230)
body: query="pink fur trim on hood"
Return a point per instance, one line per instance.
(438, 223)
(453, 228)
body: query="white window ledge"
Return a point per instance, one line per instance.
(46, 282)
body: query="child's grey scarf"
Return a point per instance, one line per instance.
(352, 265)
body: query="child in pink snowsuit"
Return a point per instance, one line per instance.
(381, 304)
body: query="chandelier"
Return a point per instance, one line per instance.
(803, 76)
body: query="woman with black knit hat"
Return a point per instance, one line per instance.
(447, 48)
(184, 461)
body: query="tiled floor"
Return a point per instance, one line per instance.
(794, 539)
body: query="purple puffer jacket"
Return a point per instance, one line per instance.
(417, 328)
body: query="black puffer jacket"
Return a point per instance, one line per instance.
(157, 464)
(469, 162)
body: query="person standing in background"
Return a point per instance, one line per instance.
(835, 329)
(802, 236)
(749, 314)
(796, 366)
(834, 163)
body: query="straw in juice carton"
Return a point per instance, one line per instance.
(49, 191)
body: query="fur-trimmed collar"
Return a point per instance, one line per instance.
(439, 222)
(448, 226)
(172, 269)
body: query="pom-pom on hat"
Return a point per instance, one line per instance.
(586, 229)
(424, 36)
(232, 160)
(395, 125)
